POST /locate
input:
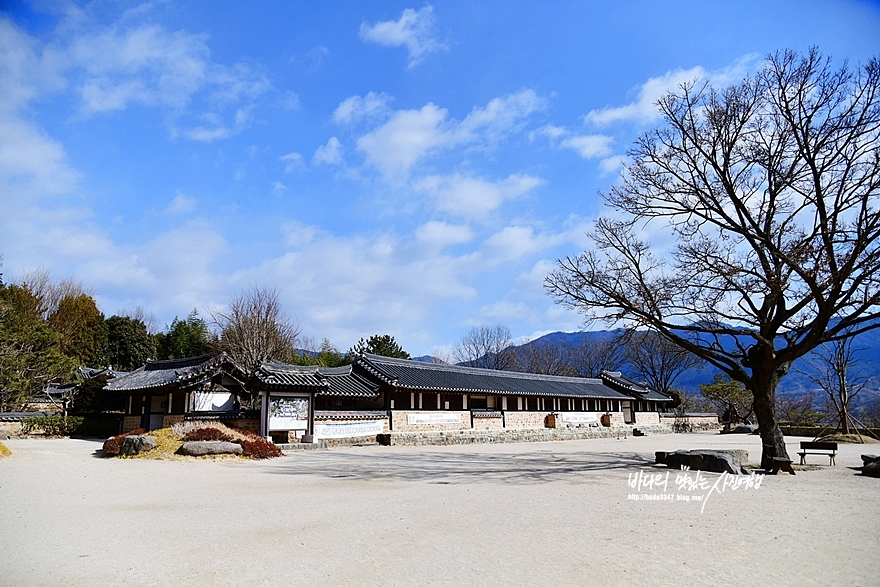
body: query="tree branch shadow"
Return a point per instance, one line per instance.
(443, 468)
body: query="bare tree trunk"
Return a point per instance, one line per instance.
(765, 382)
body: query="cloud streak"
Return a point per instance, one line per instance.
(415, 30)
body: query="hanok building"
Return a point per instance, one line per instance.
(162, 393)
(375, 395)
(644, 404)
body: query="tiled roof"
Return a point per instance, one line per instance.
(624, 384)
(176, 373)
(276, 374)
(416, 375)
(332, 381)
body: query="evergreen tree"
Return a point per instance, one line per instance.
(377, 344)
(129, 345)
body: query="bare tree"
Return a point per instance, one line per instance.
(544, 357)
(594, 354)
(50, 291)
(770, 189)
(485, 347)
(798, 409)
(656, 360)
(836, 370)
(139, 314)
(254, 328)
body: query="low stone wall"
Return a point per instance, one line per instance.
(402, 422)
(510, 436)
(646, 418)
(691, 422)
(8, 429)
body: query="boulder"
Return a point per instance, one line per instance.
(715, 461)
(871, 466)
(210, 447)
(135, 445)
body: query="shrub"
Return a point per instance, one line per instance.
(51, 425)
(259, 448)
(112, 446)
(207, 434)
(253, 445)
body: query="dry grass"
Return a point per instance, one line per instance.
(849, 438)
(182, 428)
(4, 452)
(166, 446)
(169, 440)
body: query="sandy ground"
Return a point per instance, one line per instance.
(518, 514)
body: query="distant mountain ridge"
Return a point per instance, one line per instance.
(795, 382)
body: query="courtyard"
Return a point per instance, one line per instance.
(561, 513)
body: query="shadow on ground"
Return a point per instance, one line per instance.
(441, 468)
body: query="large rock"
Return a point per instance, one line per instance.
(135, 445)
(715, 461)
(872, 465)
(210, 447)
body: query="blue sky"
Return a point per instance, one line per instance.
(388, 167)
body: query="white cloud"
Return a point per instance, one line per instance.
(612, 164)
(146, 65)
(354, 108)
(500, 116)
(588, 146)
(413, 30)
(498, 313)
(331, 153)
(115, 68)
(410, 135)
(278, 188)
(531, 282)
(181, 204)
(437, 235)
(644, 110)
(292, 161)
(472, 197)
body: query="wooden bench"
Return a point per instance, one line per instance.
(828, 449)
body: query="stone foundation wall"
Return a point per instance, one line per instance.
(645, 418)
(525, 420)
(130, 423)
(171, 420)
(400, 421)
(491, 423)
(508, 436)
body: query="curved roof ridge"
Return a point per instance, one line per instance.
(476, 370)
